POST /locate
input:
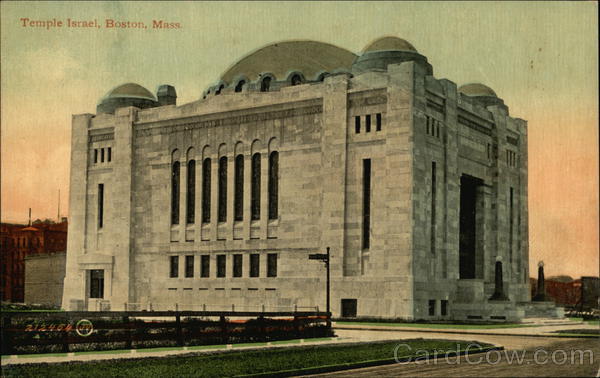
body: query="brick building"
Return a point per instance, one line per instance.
(417, 185)
(19, 241)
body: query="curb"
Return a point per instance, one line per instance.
(392, 329)
(362, 364)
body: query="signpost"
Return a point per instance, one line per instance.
(324, 257)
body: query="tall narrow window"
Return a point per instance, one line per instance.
(223, 189)
(273, 184)
(174, 267)
(265, 84)
(239, 188)
(102, 155)
(97, 283)
(368, 123)
(221, 265)
(109, 152)
(254, 265)
(366, 242)
(511, 224)
(255, 188)
(191, 192)
(205, 266)
(175, 193)
(433, 198)
(206, 190)
(189, 266)
(378, 122)
(95, 155)
(272, 265)
(100, 205)
(237, 265)
(357, 124)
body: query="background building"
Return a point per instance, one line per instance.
(20, 241)
(418, 187)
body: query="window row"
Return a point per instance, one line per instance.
(443, 307)
(237, 266)
(367, 123)
(222, 200)
(511, 158)
(101, 156)
(433, 127)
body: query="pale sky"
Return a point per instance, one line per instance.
(541, 58)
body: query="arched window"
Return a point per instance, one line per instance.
(273, 184)
(239, 188)
(223, 189)
(322, 76)
(191, 192)
(296, 79)
(265, 84)
(206, 190)
(255, 188)
(175, 193)
(240, 85)
(218, 92)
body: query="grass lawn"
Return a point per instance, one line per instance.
(235, 363)
(440, 325)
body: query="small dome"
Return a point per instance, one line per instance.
(477, 90)
(131, 90)
(129, 94)
(390, 43)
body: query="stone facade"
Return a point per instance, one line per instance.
(417, 187)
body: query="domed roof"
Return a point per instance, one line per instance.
(477, 90)
(130, 90)
(308, 57)
(389, 43)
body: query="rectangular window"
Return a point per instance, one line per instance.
(97, 283)
(378, 122)
(255, 188)
(175, 193)
(191, 193)
(254, 265)
(444, 305)
(428, 123)
(238, 199)
(237, 265)
(221, 265)
(223, 189)
(431, 307)
(433, 198)
(205, 266)
(272, 265)
(368, 123)
(206, 190)
(189, 266)
(174, 267)
(511, 224)
(357, 124)
(109, 152)
(95, 155)
(100, 205)
(102, 155)
(366, 241)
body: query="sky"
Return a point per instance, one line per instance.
(540, 57)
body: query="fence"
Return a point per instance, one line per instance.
(36, 332)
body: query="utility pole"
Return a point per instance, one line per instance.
(324, 257)
(58, 212)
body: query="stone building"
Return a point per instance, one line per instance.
(417, 185)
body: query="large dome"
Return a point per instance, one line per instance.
(130, 90)
(279, 59)
(390, 43)
(477, 90)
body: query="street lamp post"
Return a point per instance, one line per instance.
(324, 257)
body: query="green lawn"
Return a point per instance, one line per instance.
(439, 325)
(239, 362)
